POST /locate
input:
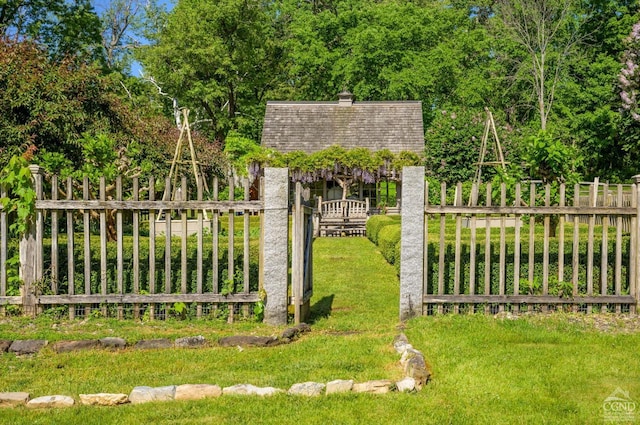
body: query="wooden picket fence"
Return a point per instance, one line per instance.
(502, 256)
(169, 257)
(533, 247)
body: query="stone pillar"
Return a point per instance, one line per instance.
(412, 242)
(276, 244)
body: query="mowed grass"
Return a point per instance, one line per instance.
(493, 370)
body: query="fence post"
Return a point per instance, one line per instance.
(412, 242)
(635, 242)
(275, 244)
(31, 251)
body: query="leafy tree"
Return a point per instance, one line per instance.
(551, 160)
(554, 162)
(548, 31)
(45, 103)
(216, 58)
(238, 148)
(629, 76)
(52, 105)
(453, 143)
(588, 108)
(124, 25)
(387, 50)
(64, 27)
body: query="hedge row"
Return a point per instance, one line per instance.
(384, 231)
(376, 223)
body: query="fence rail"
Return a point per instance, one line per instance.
(528, 249)
(95, 251)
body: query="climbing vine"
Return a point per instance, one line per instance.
(360, 164)
(19, 199)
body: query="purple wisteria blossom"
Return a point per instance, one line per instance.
(629, 77)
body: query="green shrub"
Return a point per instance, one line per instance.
(376, 223)
(388, 242)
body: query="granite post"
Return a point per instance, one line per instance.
(276, 244)
(412, 242)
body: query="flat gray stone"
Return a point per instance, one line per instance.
(67, 346)
(401, 343)
(415, 366)
(190, 342)
(145, 394)
(409, 354)
(249, 341)
(113, 342)
(13, 399)
(406, 385)
(248, 389)
(381, 386)
(149, 344)
(293, 333)
(4, 345)
(339, 386)
(103, 399)
(50, 401)
(309, 389)
(27, 346)
(197, 391)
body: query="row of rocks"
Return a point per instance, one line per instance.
(416, 372)
(144, 394)
(32, 346)
(412, 360)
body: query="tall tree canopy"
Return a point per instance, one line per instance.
(64, 27)
(216, 57)
(53, 105)
(559, 65)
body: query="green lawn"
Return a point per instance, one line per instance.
(493, 370)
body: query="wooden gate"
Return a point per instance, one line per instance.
(302, 257)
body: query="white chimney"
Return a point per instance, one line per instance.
(345, 99)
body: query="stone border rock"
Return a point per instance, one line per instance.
(417, 374)
(33, 346)
(412, 360)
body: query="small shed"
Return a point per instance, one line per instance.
(314, 126)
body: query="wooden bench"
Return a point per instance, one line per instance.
(346, 217)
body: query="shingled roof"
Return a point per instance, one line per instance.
(313, 126)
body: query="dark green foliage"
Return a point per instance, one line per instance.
(66, 28)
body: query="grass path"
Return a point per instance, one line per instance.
(362, 287)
